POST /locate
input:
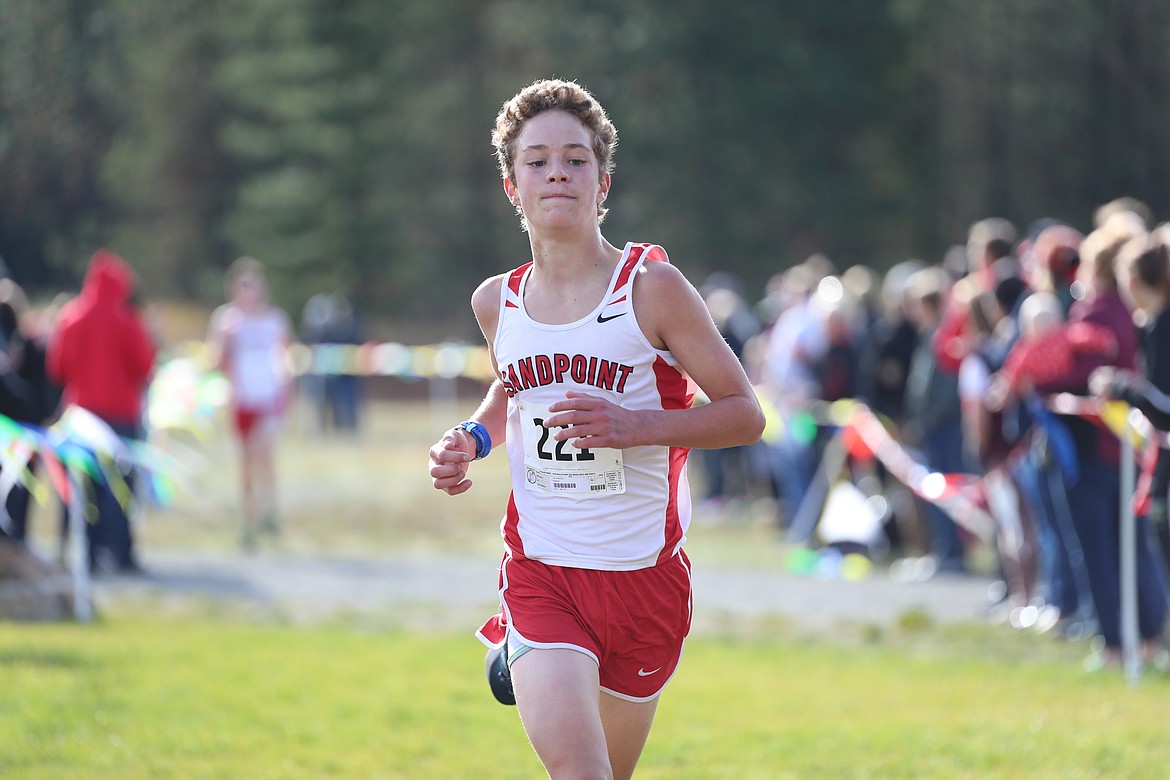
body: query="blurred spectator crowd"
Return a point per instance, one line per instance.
(991, 366)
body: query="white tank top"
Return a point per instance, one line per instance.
(256, 359)
(615, 510)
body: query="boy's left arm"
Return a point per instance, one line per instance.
(673, 316)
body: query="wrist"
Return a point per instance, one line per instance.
(479, 432)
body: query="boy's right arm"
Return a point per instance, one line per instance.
(451, 456)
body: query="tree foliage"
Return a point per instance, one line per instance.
(346, 142)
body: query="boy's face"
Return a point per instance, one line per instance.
(557, 179)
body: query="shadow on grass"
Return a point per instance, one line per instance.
(43, 658)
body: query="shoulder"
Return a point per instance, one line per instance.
(487, 295)
(1159, 327)
(1101, 306)
(660, 279)
(485, 304)
(225, 320)
(68, 315)
(222, 313)
(665, 302)
(280, 317)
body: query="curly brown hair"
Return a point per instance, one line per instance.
(554, 95)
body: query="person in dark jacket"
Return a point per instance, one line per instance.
(933, 417)
(1144, 280)
(26, 394)
(102, 355)
(1094, 499)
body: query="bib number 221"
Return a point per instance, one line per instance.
(557, 452)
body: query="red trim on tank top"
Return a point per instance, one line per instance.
(514, 280)
(672, 389)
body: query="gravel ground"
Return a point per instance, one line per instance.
(452, 591)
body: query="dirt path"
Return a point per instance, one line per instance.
(454, 591)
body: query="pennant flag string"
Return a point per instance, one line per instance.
(963, 496)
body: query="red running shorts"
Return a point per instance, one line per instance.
(632, 623)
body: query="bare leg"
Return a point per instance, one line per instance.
(557, 695)
(264, 449)
(627, 725)
(577, 731)
(258, 481)
(247, 492)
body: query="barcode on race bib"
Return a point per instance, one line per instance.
(556, 467)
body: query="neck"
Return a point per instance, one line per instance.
(572, 256)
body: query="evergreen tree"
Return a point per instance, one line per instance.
(57, 119)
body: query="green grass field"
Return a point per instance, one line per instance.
(143, 697)
(195, 694)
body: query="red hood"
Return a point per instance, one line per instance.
(108, 280)
(101, 352)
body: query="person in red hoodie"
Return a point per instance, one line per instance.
(102, 356)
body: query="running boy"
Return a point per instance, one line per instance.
(592, 347)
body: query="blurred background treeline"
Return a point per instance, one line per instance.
(346, 142)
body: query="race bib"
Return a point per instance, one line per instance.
(559, 468)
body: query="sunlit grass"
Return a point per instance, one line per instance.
(146, 697)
